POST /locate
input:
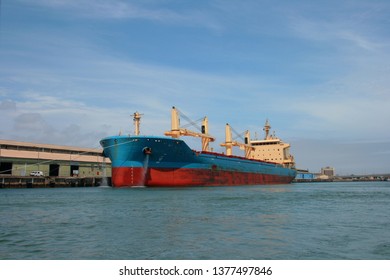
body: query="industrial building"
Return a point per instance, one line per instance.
(328, 171)
(24, 158)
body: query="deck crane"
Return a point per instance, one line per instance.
(229, 143)
(177, 131)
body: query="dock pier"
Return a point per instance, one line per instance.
(8, 182)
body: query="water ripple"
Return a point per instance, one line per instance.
(298, 221)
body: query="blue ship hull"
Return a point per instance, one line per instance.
(161, 161)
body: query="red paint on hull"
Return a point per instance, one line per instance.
(182, 177)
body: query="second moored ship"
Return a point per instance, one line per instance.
(161, 161)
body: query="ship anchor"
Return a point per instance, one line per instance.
(147, 150)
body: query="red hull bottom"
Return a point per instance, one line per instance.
(183, 177)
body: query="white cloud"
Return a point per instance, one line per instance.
(7, 105)
(344, 27)
(359, 40)
(157, 11)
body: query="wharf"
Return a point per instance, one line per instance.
(345, 179)
(7, 181)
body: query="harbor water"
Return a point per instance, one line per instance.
(303, 221)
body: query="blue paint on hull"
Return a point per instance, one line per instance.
(168, 153)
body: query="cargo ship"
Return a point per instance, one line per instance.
(167, 161)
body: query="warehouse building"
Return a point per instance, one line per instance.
(305, 175)
(32, 159)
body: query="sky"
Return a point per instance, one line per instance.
(74, 71)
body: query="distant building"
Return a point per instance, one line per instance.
(328, 171)
(24, 158)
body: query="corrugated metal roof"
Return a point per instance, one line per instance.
(29, 150)
(49, 146)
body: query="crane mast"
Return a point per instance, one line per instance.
(137, 121)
